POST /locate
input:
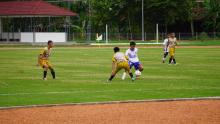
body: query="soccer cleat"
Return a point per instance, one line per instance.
(163, 60)
(44, 78)
(133, 78)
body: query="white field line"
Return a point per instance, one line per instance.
(72, 92)
(3, 83)
(116, 102)
(82, 91)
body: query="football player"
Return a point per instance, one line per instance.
(132, 55)
(172, 44)
(119, 61)
(43, 60)
(165, 48)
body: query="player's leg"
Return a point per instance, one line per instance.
(138, 68)
(44, 65)
(128, 70)
(174, 60)
(171, 55)
(45, 68)
(114, 72)
(164, 56)
(51, 70)
(125, 73)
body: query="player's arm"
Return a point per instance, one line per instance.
(176, 43)
(113, 64)
(164, 42)
(126, 55)
(40, 56)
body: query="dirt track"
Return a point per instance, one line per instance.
(171, 112)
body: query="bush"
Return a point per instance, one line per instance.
(203, 36)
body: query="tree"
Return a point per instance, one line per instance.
(213, 11)
(170, 11)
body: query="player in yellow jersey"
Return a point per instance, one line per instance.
(43, 60)
(172, 44)
(120, 61)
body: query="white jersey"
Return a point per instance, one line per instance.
(172, 42)
(132, 55)
(119, 57)
(166, 45)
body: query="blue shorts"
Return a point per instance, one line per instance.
(135, 64)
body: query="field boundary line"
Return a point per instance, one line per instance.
(72, 92)
(115, 102)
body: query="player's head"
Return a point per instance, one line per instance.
(172, 35)
(50, 43)
(132, 45)
(116, 49)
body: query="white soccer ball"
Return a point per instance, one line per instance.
(137, 73)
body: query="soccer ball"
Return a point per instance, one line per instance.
(137, 73)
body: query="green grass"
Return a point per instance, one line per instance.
(82, 74)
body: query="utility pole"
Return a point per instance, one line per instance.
(89, 25)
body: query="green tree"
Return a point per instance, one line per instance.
(213, 11)
(168, 12)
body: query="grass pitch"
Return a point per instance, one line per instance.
(82, 74)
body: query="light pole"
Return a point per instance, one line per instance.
(89, 25)
(142, 20)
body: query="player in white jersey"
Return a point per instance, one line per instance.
(119, 61)
(132, 55)
(165, 48)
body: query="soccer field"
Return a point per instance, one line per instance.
(82, 74)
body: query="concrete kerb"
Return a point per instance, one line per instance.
(114, 102)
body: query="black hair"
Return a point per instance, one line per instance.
(116, 49)
(132, 43)
(49, 41)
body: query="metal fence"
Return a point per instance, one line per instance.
(148, 37)
(120, 37)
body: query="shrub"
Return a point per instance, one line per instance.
(203, 36)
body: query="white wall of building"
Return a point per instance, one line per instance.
(27, 37)
(55, 37)
(36, 37)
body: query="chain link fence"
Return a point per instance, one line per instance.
(148, 37)
(119, 37)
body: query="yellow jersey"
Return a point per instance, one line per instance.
(45, 53)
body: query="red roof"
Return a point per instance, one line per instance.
(32, 8)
